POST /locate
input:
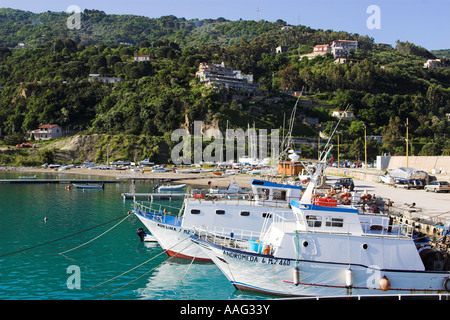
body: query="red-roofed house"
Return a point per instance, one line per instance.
(142, 57)
(47, 132)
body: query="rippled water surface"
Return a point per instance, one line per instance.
(32, 266)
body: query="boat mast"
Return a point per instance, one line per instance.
(307, 195)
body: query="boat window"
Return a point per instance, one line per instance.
(279, 195)
(245, 213)
(314, 221)
(267, 215)
(334, 222)
(195, 211)
(220, 211)
(263, 193)
(258, 182)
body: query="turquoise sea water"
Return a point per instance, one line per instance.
(29, 270)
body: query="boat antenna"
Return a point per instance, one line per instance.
(307, 195)
(287, 139)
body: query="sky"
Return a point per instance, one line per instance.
(423, 22)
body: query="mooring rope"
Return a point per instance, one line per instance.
(193, 258)
(81, 245)
(55, 240)
(139, 265)
(132, 281)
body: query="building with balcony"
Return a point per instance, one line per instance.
(216, 75)
(47, 132)
(341, 48)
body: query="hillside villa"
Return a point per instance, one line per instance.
(47, 132)
(339, 49)
(212, 75)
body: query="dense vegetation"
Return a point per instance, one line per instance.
(47, 82)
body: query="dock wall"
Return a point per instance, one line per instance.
(425, 163)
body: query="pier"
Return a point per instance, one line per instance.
(62, 181)
(165, 179)
(159, 196)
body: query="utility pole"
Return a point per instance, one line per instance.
(338, 149)
(365, 145)
(407, 143)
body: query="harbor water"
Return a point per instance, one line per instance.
(68, 244)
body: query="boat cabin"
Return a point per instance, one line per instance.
(275, 194)
(339, 219)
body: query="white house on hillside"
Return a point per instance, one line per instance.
(47, 132)
(342, 114)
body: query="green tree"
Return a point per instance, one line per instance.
(392, 135)
(48, 156)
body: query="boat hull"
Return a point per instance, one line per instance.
(172, 238)
(274, 275)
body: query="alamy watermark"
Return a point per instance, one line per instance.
(223, 148)
(74, 280)
(74, 21)
(374, 20)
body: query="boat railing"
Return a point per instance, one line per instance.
(371, 227)
(248, 198)
(393, 229)
(226, 237)
(157, 211)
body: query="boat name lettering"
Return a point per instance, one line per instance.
(252, 258)
(167, 227)
(281, 262)
(241, 256)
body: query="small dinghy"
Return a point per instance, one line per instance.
(88, 186)
(171, 187)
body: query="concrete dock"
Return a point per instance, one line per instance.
(61, 181)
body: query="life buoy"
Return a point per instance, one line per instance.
(266, 250)
(446, 284)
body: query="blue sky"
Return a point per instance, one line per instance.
(423, 22)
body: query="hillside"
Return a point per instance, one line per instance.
(45, 80)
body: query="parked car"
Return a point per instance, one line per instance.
(401, 183)
(417, 183)
(438, 186)
(409, 183)
(344, 183)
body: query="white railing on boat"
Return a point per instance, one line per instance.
(157, 210)
(227, 237)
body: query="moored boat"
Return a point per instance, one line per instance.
(225, 216)
(172, 187)
(27, 177)
(88, 185)
(328, 251)
(232, 188)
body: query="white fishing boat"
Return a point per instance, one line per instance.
(174, 187)
(387, 179)
(328, 250)
(88, 185)
(232, 188)
(229, 215)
